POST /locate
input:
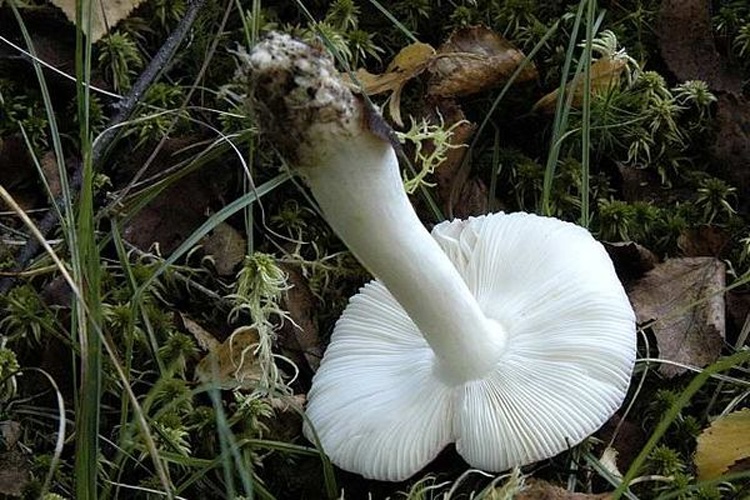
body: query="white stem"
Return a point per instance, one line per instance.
(360, 191)
(316, 122)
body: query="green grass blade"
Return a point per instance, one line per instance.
(87, 272)
(562, 110)
(220, 216)
(586, 115)
(669, 417)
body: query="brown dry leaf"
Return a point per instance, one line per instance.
(178, 210)
(687, 43)
(537, 489)
(639, 184)
(605, 73)
(703, 241)
(409, 63)
(299, 338)
(17, 173)
(51, 173)
(475, 59)
(205, 339)
(724, 443)
(628, 442)
(227, 246)
(457, 194)
(686, 331)
(15, 474)
(732, 145)
(233, 363)
(113, 11)
(631, 260)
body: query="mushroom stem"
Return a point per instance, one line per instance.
(322, 130)
(369, 210)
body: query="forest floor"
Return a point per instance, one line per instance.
(168, 286)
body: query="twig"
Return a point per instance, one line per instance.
(126, 107)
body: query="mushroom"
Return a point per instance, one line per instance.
(506, 334)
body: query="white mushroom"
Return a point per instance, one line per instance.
(507, 334)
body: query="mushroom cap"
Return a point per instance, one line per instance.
(381, 407)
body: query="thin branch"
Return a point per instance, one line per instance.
(125, 108)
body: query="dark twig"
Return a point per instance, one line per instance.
(125, 107)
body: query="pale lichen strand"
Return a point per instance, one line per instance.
(302, 104)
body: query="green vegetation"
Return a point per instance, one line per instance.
(98, 338)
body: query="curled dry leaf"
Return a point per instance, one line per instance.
(605, 73)
(232, 363)
(722, 445)
(685, 299)
(409, 63)
(608, 460)
(475, 59)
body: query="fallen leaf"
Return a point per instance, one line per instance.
(233, 363)
(203, 337)
(685, 298)
(107, 13)
(409, 63)
(724, 443)
(605, 73)
(608, 460)
(628, 442)
(15, 472)
(703, 241)
(285, 424)
(475, 59)
(299, 338)
(630, 259)
(178, 210)
(227, 246)
(639, 184)
(738, 310)
(51, 173)
(686, 40)
(457, 195)
(18, 174)
(472, 60)
(732, 145)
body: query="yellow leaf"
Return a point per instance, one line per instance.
(605, 73)
(113, 11)
(724, 443)
(409, 63)
(233, 363)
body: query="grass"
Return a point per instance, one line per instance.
(140, 425)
